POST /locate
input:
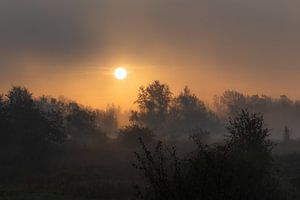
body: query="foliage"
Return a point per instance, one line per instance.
(108, 119)
(278, 112)
(228, 171)
(172, 117)
(82, 127)
(32, 129)
(248, 137)
(161, 173)
(27, 128)
(54, 145)
(153, 102)
(187, 114)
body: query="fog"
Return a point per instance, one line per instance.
(57, 148)
(241, 45)
(209, 110)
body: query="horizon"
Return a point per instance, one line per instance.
(210, 46)
(208, 100)
(149, 99)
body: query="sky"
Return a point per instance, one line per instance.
(70, 47)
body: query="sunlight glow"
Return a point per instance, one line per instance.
(120, 73)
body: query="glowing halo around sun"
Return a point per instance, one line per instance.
(120, 73)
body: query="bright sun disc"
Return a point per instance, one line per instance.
(120, 73)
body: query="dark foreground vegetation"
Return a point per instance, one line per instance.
(174, 147)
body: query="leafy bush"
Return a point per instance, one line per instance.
(241, 168)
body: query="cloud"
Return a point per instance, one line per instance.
(227, 34)
(43, 29)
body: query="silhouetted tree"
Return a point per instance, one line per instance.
(247, 132)
(239, 169)
(172, 117)
(188, 113)
(82, 127)
(250, 152)
(153, 105)
(162, 172)
(277, 111)
(28, 132)
(231, 102)
(108, 119)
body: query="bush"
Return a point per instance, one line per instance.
(241, 168)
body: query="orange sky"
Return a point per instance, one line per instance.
(70, 47)
(96, 86)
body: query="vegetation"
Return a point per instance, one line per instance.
(172, 116)
(53, 148)
(241, 168)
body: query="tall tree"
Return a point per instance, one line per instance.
(188, 113)
(153, 105)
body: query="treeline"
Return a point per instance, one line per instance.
(34, 126)
(173, 116)
(168, 115)
(68, 148)
(278, 112)
(33, 130)
(180, 115)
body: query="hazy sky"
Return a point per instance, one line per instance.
(70, 47)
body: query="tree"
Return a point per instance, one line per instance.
(248, 134)
(82, 127)
(153, 105)
(231, 171)
(231, 102)
(28, 130)
(250, 152)
(162, 172)
(188, 113)
(108, 119)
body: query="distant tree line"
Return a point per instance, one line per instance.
(180, 115)
(34, 126)
(172, 116)
(278, 112)
(32, 129)
(214, 158)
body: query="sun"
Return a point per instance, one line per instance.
(120, 73)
